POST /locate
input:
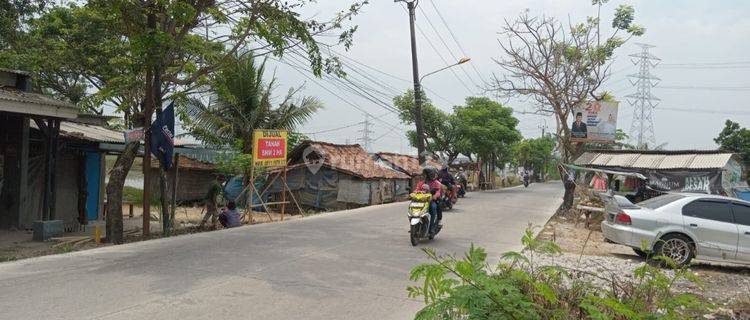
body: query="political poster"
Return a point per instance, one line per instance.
(269, 147)
(594, 121)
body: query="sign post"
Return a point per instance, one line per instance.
(269, 150)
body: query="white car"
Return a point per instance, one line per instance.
(682, 226)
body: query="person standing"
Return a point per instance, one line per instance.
(212, 201)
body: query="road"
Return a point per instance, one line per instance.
(344, 265)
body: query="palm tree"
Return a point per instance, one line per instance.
(240, 101)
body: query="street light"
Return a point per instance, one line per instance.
(461, 61)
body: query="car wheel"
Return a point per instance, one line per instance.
(641, 253)
(677, 247)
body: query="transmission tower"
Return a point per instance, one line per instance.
(643, 102)
(365, 139)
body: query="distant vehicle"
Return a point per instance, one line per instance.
(681, 226)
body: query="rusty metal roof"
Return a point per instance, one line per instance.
(351, 159)
(188, 163)
(654, 160)
(406, 163)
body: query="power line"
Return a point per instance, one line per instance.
(706, 88)
(299, 69)
(706, 63)
(443, 59)
(434, 93)
(724, 112)
(440, 37)
(455, 39)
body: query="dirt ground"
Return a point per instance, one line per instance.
(16, 245)
(724, 284)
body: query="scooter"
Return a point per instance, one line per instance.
(448, 198)
(526, 182)
(460, 191)
(419, 218)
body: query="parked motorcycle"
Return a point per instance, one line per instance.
(419, 218)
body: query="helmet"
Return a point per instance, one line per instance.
(429, 170)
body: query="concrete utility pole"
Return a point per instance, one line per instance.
(411, 5)
(642, 127)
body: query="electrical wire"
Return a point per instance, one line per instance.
(455, 39)
(440, 37)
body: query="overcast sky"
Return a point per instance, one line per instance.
(684, 32)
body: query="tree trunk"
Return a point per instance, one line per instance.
(114, 192)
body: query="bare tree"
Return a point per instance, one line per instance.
(558, 66)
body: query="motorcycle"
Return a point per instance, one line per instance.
(448, 198)
(526, 181)
(460, 190)
(419, 218)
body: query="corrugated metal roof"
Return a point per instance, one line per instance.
(12, 100)
(653, 160)
(87, 132)
(350, 159)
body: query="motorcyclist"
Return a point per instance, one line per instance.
(430, 184)
(447, 180)
(461, 177)
(526, 177)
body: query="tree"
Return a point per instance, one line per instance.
(487, 129)
(735, 139)
(439, 127)
(559, 67)
(241, 101)
(535, 154)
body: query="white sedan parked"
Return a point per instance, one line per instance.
(682, 226)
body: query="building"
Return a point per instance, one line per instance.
(327, 176)
(704, 171)
(194, 178)
(407, 164)
(30, 186)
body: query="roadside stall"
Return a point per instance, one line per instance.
(591, 183)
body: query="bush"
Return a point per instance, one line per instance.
(518, 288)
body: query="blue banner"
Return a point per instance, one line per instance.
(162, 136)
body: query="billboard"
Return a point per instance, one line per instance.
(269, 147)
(594, 121)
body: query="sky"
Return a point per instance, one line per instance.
(694, 104)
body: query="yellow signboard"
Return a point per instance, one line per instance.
(269, 147)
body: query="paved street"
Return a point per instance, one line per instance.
(344, 265)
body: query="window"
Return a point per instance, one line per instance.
(741, 213)
(660, 201)
(716, 210)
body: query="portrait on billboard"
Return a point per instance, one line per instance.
(594, 121)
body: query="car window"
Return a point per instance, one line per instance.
(660, 201)
(709, 209)
(741, 213)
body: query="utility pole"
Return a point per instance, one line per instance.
(366, 140)
(411, 5)
(642, 127)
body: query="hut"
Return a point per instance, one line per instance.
(194, 178)
(702, 171)
(327, 176)
(407, 164)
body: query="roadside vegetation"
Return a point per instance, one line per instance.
(521, 287)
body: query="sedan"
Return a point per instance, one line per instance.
(681, 226)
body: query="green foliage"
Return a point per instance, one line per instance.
(241, 101)
(519, 288)
(8, 258)
(439, 127)
(736, 139)
(534, 153)
(486, 128)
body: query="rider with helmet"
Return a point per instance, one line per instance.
(430, 184)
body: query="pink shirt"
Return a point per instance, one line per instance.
(432, 185)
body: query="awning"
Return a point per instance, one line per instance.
(621, 173)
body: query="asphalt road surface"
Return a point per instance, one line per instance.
(345, 265)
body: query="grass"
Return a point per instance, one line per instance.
(135, 195)
(66, 248)
(8, 258)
